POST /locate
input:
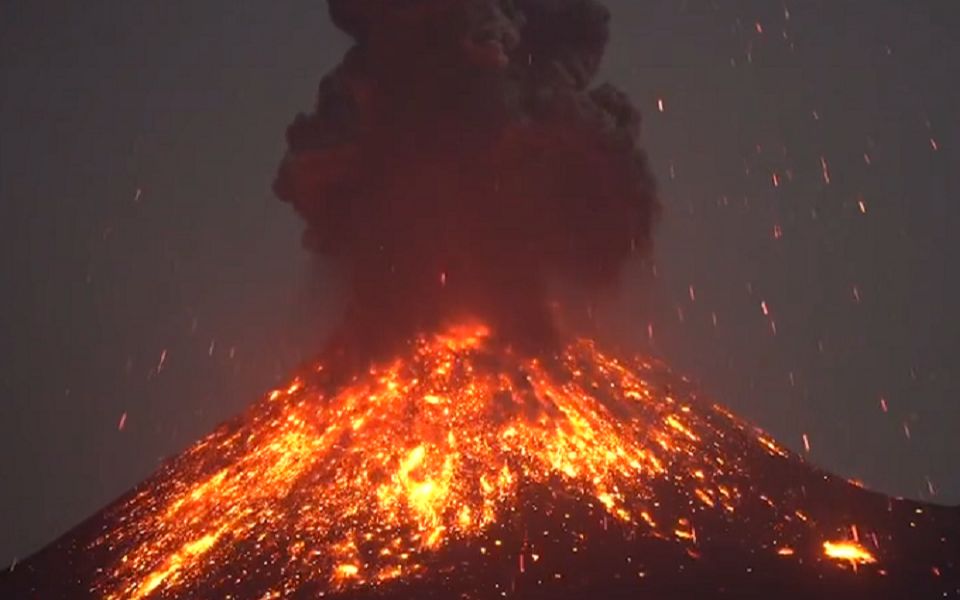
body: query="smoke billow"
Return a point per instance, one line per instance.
(458, 158)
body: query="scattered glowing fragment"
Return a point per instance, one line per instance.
(849, 551)
(348, 570)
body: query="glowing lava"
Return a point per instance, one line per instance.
(362, 485)
(848, 551)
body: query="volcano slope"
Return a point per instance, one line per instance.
(462, 469)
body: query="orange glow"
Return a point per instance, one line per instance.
(359, 485)
(849, 551)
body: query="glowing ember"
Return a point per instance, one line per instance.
(362, 485)
(849, 551)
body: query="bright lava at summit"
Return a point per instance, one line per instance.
(441, 448)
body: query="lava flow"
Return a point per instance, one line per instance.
(462, 469)
(360, 487)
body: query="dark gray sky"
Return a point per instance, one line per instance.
(147, 270)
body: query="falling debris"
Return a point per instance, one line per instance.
(825, 169)
(849, 551)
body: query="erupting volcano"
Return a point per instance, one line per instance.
(455, 440)
(461, 469)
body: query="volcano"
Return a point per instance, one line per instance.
(454, 442)
(463, 469)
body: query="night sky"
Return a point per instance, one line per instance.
(806, 152)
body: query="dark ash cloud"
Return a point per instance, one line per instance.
(459, 157)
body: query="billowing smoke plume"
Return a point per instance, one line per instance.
(459, 158)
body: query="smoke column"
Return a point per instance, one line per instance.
(459, 158)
